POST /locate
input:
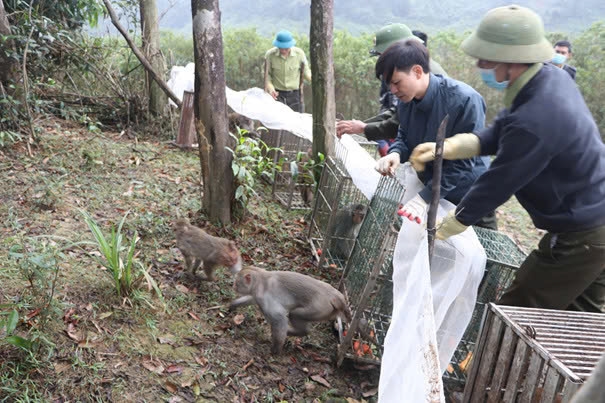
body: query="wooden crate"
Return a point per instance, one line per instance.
(534, 355)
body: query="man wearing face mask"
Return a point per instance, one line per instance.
(549, 154)
(562, 55)
(424, 100)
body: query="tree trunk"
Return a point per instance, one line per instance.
(9, 67)
(151, 49)
(211, 110)
(322, 68)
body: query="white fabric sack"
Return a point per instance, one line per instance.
(431, 305)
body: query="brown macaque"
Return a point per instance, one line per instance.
(345, 229)
(236, 120)
(198, 247)
(289, 301)
(306, 180)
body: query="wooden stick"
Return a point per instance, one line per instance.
(139, 55)
(436, 186)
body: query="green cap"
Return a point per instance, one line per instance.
(510, 34)
(390, 34)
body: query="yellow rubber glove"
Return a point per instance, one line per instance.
(458, 147)
(450, 226)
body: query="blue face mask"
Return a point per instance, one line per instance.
(559, 58)
(489, 78)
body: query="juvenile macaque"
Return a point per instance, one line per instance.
(306, 179)
(345, 229)
(289, 301)
(198, 247)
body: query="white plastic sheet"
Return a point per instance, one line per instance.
(431, 306)
(181, 79)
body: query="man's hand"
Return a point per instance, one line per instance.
(414, 210)
(274, 94)
(388, 164)
(460, 146)
(349, 127)
(450, 226)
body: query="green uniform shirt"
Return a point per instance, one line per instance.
(283, 74)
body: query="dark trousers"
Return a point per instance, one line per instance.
(567, 271)
(290, 98)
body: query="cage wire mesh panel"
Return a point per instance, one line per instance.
(335, 198)
(503, 259)
(288, 187)
(367, 279)
(531, 355)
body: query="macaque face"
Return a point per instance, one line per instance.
(359, 214)
(243, 282)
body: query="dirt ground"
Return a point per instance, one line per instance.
(99, 347)
(189, 347)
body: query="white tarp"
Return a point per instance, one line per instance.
(421, 341)
(431, 306)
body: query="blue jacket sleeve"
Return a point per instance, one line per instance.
(470, 119)
(520, 157)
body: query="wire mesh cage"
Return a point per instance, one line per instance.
(367, 279)
(292, 184)
(503, 259)
(336, 198)
(534, 355)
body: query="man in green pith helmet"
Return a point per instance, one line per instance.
(286, 68)
(382, 128)
(549, 154)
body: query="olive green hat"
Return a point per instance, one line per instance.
(390, 34)
(510, 34)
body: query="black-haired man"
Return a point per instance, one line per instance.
(562, 55)
(424, 100)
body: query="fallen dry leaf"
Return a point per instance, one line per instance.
(248, 364)
(321, 381)
(168, 339)
(202, 361)
(182, 288)
(238, 319)
(153, 367)
(171, 369)
(105, 315)
(281, 387)
(371, 392)
(73, 333)
(61, 366)
(194, 316)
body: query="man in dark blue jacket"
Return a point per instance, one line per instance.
(549, 154)
(424, 100)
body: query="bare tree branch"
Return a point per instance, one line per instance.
(139, 55)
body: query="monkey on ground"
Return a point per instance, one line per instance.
(345, 229)
(289, 301)
(198, 247)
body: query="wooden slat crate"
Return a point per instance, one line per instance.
(534, 355)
